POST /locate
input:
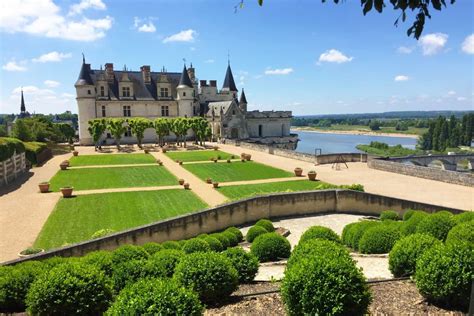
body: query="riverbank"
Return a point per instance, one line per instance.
(353, 132)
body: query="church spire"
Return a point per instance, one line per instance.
(22, 106)
(229, 83)
(185, 80)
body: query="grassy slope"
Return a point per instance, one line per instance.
(235, 171)
(200, 155)
(117, 177)
(109, 159)
(76, 219)
(236, 192)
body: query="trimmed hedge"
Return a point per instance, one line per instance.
(156, 297)
(267, 224)
(210, 274)
(270, 247)
(32, 149)
(233, 239)
(462, 233)
(171, 244)
(408, 214)
(409, 226)
(223, 239)
(437, 225)
(315, 247)
(354, 232)
(213, 243)
(463, 217)
(127, 272)
(128, 253)
(152, 247)
(320, 232)
(245, 263)
(379, 239)
(236, 232)
(254, 232)
(70, 289)
(196, 245)
(101, 259)
(444, 274)
(392, 215)
(162, 264)
(10, 145)
(405, 252)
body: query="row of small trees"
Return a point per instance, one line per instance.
(163, 127)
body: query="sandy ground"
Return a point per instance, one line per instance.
(358, 132)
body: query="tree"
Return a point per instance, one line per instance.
(22, 131)
(374, 125)
(96, 128)
(162, 127)
(117, 129)
(67, 131)
(200, 127)
(138, 126)
(422, 7)
(180, 126)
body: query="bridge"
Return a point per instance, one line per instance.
(448, 162)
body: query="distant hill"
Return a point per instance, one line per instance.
(389, 115)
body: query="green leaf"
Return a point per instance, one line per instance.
(436, 4)
(368, 5)
(260, 2)
(379, 5)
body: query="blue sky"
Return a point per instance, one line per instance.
(304, 56)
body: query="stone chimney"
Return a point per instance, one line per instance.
(146, 74)
(213, 83)
(203, 83)
(109, 72)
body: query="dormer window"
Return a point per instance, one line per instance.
(164, 92)
(125, 91)
(102, 91)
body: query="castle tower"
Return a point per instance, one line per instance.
(229, 83)
(243, 102)
(185, 94)
(86, 94)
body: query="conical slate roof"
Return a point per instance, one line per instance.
(84, 76)
(229, 83)
(184, 80)
(243, 99)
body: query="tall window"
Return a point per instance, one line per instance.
(184, 94)
(128, 133)
(103, 111)
(102, 91)
(165, 111)
(164, 92)
(127, 111)
(125, 91)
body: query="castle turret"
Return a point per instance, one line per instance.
(85, 91)
(243, 102)
(229, 83)
(185, 94)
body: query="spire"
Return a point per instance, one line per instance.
(83, 58)
(243, 99)
(22, 107)
(184, 80)
(84, 76)
(229, 83)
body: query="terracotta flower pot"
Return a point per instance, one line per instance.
(228, 160)
(44, 187)
(215, 184)
(242, 155)
(146, 151)
(75, 153)
(180, 162)
(160, 163)
(164, 150)
(181, 181)
(186, 186)
(312, 175)
(209, 180)
(216, 148)
(298, 172)
(248, 157)
(66, 162)
(67, 192)
(63, 166)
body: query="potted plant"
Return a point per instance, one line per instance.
(75, 153)
(30, 251)
(242, 155)
(181, 181)
(159, 162)
(66, 162)
(163, 150)
(67, 191)
(312, 175)
(44, 187)
(209, 180)
(228, 160)
(146, 151)
(186, 186)
(63, 165)
(215, 184)
(216, 148)
(298, 171)
(248, 157)
(180, 162)
(215, 159)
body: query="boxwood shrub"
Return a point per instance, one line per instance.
(267, 224)
(210, 274)
(462, 233)
(437, 225)
(324, 281)
(444, 274)
(156, 297)
(213, 243)
(15, 282)
(101, 259)
(410, 225)
(254, 232)
(223, 239)
(320, 232)
(409, 213)
(196, 245)
(270, 247)
(405, 252)
(236, 232)
(70, 289)
(355, 232)
(162, 264)
(233, 239)
(245, 263)
(315, 247)
(379, 239)
(127, 272)
(128, 253)
(347, 234)
(389, 215)
(463, 217)
(170, 244)
(152, 247)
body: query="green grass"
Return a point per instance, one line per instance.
(198, 155)
(237, 192)
(110, 159)
(76, 219)
(115, 177)
(235, 171)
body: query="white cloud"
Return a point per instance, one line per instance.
(209, 61)
(43, 18)
(283, 71)
(401, 78)
(144, 25)
(451, 92)
(183, 36)
(14, 66)
(86, 4)
(51, 83)
(468, 44)
(52, 57)
(334, 56)
(405, 50)
(461, 99)
(433, 43)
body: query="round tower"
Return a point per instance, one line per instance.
(185, 94)
(85, 96)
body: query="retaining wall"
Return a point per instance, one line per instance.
(11, 168)
(244, 212)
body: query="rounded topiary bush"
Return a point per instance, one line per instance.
(267, 224)
(245, 263)
(156, 297)
(405, 252)
(444, 274)
(127, 253)
(325, 282)
(15, 282)
(409, 213)
(254, 232)
(461, 233)
(223, 239)
(210, 274)
(127, 272)
(171, 244)
(202, 236)
(162, 264)
(392, 215)
(437, 225)
(70, 289)
(379, 239)
(348, 233)
(410, 225)
(463, 217)
(236, 232)
(270, 247)
(320, 232)
(101, 259)
(152, 247)
(213, 243)
(196, 245)
(315, 247)
(233, 239)
(357, 231)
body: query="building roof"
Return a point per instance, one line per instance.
(85, 75)
(243, 99)
(218, 107)
(229, 83)
(184, 80)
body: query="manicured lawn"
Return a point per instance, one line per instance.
(199, 155)
(235, 171)
(115, 177)
(111, 159)
(236, 192)
(76, 219)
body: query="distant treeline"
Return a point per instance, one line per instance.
(399, 124)
(388, 115)
(446, 133)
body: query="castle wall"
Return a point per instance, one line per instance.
(271, 127)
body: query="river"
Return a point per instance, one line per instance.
(344, 143)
